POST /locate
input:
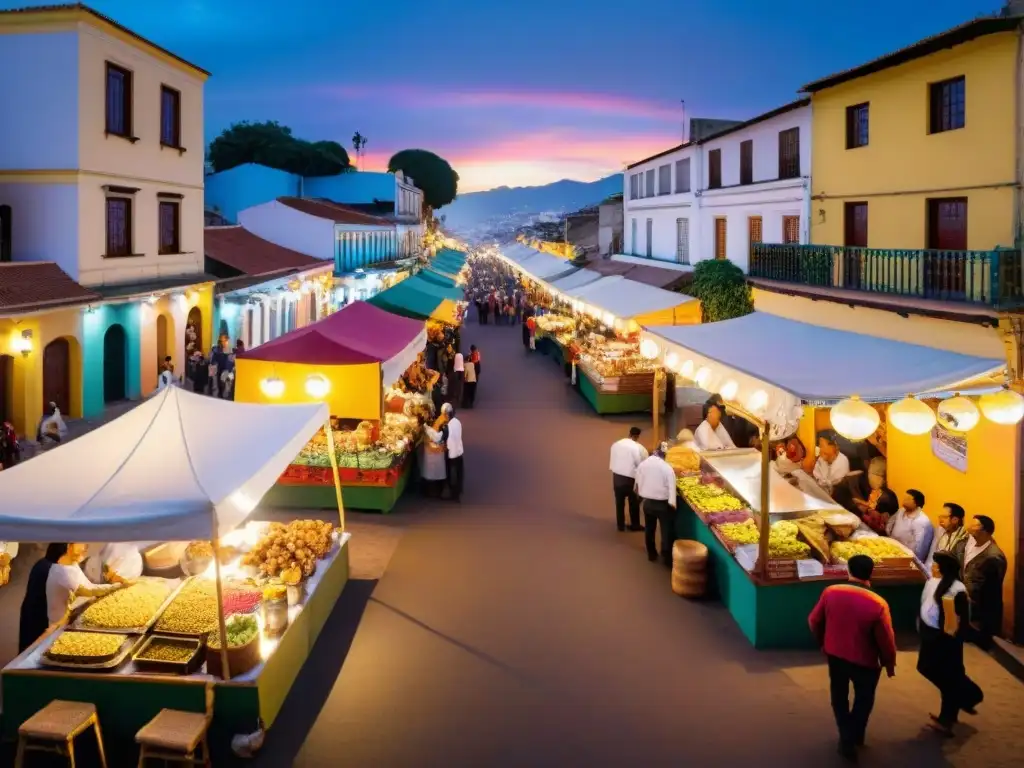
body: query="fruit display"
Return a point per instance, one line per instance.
(299, 544)
(87, 647)
(878, 548)
(683, 459)
(131, 607)
(708, 497)
(240, 598)
(740, 533)
(240, 631)
(555, 325)
(782, 538)
(167, 649)
(417, 377)
(199, 550)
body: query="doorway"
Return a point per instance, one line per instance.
(194, 332)
(57, 375)
(163, 349)
(6, 388)
(115, 364)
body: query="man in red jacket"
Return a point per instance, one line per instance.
(853, 627)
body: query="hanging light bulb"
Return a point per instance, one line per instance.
(758, 401)
(672, 361)
(703, 377)
(272, 387)
(1002, 407)
(854, 419)
(686, 369)
(317, 386)
(649, 349)
(729, 390)
(958, 414)
(912, 416)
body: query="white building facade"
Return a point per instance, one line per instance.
(715, 197)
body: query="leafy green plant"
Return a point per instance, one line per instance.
(722, 289)
(432, 174)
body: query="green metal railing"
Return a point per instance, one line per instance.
(988, 278)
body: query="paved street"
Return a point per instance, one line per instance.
(520, 629)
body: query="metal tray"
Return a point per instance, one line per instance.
(79, 626)
(170, 667)
(129, 645)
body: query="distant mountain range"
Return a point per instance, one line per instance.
(562, 196)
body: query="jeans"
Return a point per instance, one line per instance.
(852, 721)
(623, 488)
(456, 475)
(655, 512)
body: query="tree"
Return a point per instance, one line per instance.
(358, 144)
(432, 174)
(722, 289)
(272, 144)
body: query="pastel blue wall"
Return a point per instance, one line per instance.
(94, 328)
(44, 220)
(245, 186)
(354, 250)
(39, 94)
(355, 187)
(230, 313)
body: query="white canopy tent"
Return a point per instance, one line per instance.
(627, 298)
(577, 279)
(543, 265)
(179, 466)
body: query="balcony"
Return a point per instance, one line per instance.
(990, 279)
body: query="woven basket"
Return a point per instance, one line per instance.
(240, 659)
(689, 584)
(689, 555)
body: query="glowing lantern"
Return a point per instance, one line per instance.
(854, 419)
(272, 387)
(729, 390)
(686, 369)
(703, 377)
(1003, 407)
(958, 414)
(758, 401)
(608, 319)
(912, 416)
(317, 386)
(649, 349)
(672, 361)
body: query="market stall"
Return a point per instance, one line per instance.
(420, 299)
(366, 365)
(180, 467)
(920, 406)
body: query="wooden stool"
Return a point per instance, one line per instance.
(174, 736)
(54, 728)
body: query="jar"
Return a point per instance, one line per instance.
(275, 616)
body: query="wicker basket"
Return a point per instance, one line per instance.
(240, 659)
(689, 555)
(689, 584)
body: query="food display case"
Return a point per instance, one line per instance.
(810, 540)
(613, 376)
(171, 652)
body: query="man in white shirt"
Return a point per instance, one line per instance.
(626, 456)
(656, 485)
(452, 436)
(711, 435)
(911, 527)
(831, 465)
(983, 575)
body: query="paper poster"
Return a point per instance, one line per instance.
(949, 447)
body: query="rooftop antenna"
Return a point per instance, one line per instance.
(686, 136)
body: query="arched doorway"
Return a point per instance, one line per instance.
(6, 387)
(115, 364)
(194, 331)
(57, 375)
(163, 346)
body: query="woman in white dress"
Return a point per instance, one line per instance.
(711, 435)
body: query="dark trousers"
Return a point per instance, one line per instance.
(659, 512)
(852, 721)
(468, 394)
(623, 488)
(456, 475)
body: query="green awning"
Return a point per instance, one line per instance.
(416, 297)
(451, 261)
(436, 278)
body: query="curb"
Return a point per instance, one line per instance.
(1010, 656)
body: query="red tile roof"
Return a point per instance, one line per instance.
(324, 209)
(240, 249)
(28, 285)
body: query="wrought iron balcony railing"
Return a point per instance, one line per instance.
(987, 278)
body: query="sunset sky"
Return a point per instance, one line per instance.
(518, 92)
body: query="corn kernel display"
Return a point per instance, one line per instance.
(86, 645)
(167, 650)
(127, 608)
(878, 548)
(193, 610)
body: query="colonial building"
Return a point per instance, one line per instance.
(101, 173)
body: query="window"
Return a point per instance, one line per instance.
(755, 229)
(649, 183)
(947, 223)
(650, 238)
(790, 229)
(665, 180)
(683, 175)
(948, 105)
(170, 117)
(6, 240)
(632, 237)
(747, 161)
(119, 101)
(714, 169)
(789, 154)
(634, 185)
(855, 225)
(170, 227)
(857, 126)
(720, 237)
(683, 240)
(119, 226)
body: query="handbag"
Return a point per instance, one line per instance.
(950, 619)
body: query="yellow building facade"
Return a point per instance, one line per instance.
(916, 150)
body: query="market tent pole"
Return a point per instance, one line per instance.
(222, 626)
(334, 470)
(762, 546)
(654, 407)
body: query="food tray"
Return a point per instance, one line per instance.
(188, 667)
(168, 633)
(130, 643)
(79, 626)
